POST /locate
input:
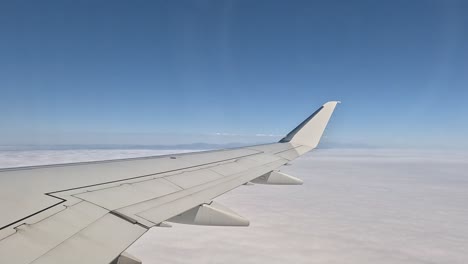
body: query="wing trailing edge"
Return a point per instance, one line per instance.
(212, 214)
(277, 178)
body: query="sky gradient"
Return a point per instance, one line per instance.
(176, 72)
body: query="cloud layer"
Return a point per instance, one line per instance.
(356, 206)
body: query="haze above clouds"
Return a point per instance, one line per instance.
(356, 206)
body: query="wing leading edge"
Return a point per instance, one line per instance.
(91, 212)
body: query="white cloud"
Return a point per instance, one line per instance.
(226, 134)
(246, 135)
(356, 206)
(267, 135)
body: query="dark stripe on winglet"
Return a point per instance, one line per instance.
(291, 134)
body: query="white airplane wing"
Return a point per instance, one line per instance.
(91, 212)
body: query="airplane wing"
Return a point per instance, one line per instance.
(91, 212)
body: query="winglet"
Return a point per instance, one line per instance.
(310, 130)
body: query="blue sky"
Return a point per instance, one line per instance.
(168, 72)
